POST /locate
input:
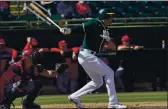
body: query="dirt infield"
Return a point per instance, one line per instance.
(104, 105)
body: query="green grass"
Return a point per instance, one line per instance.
(103, 98)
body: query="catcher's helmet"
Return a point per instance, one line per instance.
(105, 13)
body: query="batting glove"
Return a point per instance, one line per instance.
(65, 30)
(106, 35)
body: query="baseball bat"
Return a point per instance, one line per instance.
(33, 6)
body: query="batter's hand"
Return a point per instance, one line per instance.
(106, 35)
(65, 30)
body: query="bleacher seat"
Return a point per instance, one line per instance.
(122, 9)
(16, 8)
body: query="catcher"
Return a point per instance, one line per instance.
(7, 56)
(29, 84)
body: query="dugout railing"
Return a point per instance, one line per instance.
(117, 23)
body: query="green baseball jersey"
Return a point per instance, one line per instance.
(92, 31)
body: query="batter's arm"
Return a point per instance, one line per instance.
(75, 29)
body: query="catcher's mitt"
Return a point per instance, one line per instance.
(60, 67)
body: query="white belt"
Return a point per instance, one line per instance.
(88, 51)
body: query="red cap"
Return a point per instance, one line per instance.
(2, 41)
(125, 38)
(34, 41)
(62, 43)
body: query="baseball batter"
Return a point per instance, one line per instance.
(96, 34)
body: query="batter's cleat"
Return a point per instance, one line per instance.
(117, 106)
(78, 104)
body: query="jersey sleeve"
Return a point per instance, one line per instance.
(43, 50)
(14, 53)
(76, 49)
(81, 27)
(27, 46)
(55, 50)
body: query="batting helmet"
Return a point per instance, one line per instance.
(105, 13)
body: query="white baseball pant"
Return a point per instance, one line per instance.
(96, 69)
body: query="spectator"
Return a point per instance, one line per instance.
(4, 10)
(106, 61)
(32, 43)
(65, 9)
(128, 71)
(126, 44)
(112, 62)
(3, 5)
(67, 81)
(47, 5)
(73, 74)
(118, 74)
(83, 9)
